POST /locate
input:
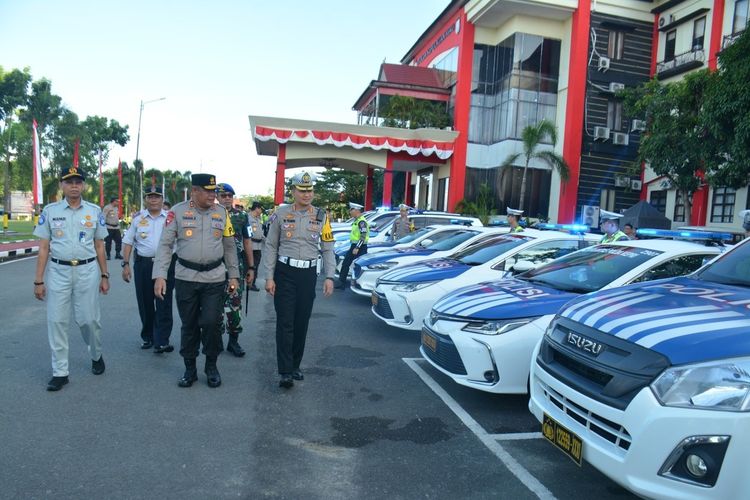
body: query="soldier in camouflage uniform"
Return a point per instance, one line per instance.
(233, 301)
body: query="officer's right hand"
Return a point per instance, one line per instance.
(271, 286)
(160, 288)
(40, 291)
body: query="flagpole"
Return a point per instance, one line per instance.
(101, 182)
(119, 188)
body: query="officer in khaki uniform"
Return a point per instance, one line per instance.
(112, 220)
(203, 238)
(297, 235)
(401, 223)
(72, 233)
(257, 237)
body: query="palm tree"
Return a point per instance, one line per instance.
(532, 136)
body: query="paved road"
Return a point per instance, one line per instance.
(369, 421)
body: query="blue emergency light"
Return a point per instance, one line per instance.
(571, 228)
(684, 235)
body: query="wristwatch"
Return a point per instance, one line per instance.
(125, 263)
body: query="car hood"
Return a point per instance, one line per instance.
(685, 319)
(368, 260)
(429, 270)
(508, 298)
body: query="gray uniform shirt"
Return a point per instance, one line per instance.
(297, 235)
(199, 236)
(256, 232)
(144, 232)
(401, 227)
(71, 232)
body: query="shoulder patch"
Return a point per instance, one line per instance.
(101, 219)
(42, 219)
(170, 218)
(327, 233)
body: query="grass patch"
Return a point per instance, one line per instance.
(18, 230)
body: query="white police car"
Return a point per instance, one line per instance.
(441, 242)
(482, 336)
(404, 296)
(650, 383)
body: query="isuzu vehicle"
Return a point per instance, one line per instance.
(650, 383)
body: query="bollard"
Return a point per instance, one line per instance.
(5, 223)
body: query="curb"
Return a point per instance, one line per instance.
(7, 254)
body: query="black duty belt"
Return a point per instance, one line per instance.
(113, 226)
(74, 262)
(142, 257)
(199, 267)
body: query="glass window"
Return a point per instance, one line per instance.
(722, 207)
(413, 236)
(678, 266)
(658, 200)
(732, 268)
(614, 115)
(607, 199)
(489, 249)
(739, 23)
(539, 254)
(699, 32)
(670, 45)
(679, 206)
(615, 45)
(447, 240)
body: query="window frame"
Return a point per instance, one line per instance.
(662, 195)
(670, 46)
(702, 36)
(737, 5)
(614, 115)
(727, 207)
(616, 45)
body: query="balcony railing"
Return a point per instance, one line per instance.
(730, 39)
(681, 62)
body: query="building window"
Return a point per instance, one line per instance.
(670, 45)
(658, 200)
(616, 44)
(679, 206)
(699, 33)
(614, 116)
(722, 207)
(442, 201)
(607, 199)
(739, 23)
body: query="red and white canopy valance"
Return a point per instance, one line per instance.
(442, 150)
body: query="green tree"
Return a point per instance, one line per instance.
(408, 112)
(14, 87)
(532, 138)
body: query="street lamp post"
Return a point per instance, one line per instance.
(138, 146)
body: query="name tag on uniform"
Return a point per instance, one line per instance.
(82, 237)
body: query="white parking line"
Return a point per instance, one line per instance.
(516, 436)
(489, 440)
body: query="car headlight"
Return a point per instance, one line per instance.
(382, 266)
(413, 287)
(497, 327)
(718, 385)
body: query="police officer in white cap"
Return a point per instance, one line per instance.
(610, 224)
(401, 224)
(358, 239)
(513, 216)
(297, 235)
(745, 214)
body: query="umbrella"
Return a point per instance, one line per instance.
(643, 214)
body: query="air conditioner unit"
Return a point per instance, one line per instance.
(616, 86)
(603, 64)
(620, 139)
(601, 133)
(636, 185)
(662, 21)
(590, 215)
(622, 181)
(638, 125)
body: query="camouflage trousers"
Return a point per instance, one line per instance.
(233, 311)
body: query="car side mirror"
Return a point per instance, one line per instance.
(425, 242)
(522, 266)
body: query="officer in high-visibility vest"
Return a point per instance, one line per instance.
(358, 239)
(513, 217)
(610, 224)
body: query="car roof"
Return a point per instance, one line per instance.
(679, 246)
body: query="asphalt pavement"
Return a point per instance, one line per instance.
(370, 420)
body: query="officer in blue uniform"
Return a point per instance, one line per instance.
(358, 238)
(143, 235)
(72, 233)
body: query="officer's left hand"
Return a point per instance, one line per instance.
(234, 284)
(327, 288)
(249, 276)
(355, 251)
(104, 286)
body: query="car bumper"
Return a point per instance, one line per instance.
(407, 309)
(632, 446)
(364, 284)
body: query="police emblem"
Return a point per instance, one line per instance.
(188, 232)
(42, 219)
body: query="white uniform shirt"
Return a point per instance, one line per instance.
(144, 232)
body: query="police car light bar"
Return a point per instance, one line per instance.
(686, 235)
(571, 228)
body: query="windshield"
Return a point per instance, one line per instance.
(487, 250)
(449, 239)
(413, 236)
(590, 269)
(732, 268)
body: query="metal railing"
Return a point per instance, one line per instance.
(730, 39)
(683, 59)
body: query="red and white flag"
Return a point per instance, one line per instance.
(36, 182)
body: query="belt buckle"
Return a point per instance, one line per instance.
(74, 262)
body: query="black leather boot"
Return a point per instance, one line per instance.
(191, 374)
(212, 373)
(234, 347)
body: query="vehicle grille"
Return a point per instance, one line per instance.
(611, 431)
(445, 354)
(383, 308)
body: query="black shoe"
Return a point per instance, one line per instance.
(57, 383)
(190, 376)
(212, 374)
(158, 349)
(286, 381)
(147, 344)
(234, 347)
(340, 286)
(298, 375)
(109, 258)
(97, 367)
(254, 289)
(118, 256)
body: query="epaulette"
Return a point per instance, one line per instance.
(321, 215)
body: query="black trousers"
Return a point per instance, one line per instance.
(348, 261)
(156, 314)
(293, 301)
(113, 234)
(200, 306)
(256, 261)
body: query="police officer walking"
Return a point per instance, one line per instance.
(233, 298)
(401, 224)
(72, 233)
(513, 216)
(112, 220)
(257, 236)
(358, 239)
(143, 235)
(610, 224)
(297, 235)
(203, 238)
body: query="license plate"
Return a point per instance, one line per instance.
(561, 437)
(374, 298)
(429, 341)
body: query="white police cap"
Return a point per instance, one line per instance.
(605, 215)
(513, 211)
(357, 206)
(404, 206)
(304, 181)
